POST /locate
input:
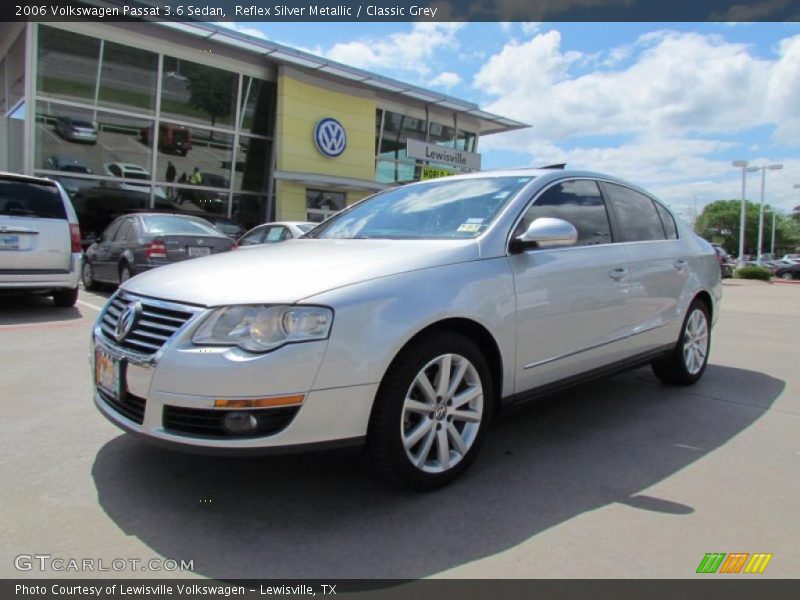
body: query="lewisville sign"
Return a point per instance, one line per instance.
(440, 154)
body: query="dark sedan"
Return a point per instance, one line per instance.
(139, 242)
(788, 272)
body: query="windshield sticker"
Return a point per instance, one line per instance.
(477, 220)
(469, 227)
(501, 195)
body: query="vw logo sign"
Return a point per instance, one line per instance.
(330, 137)
(127, 320)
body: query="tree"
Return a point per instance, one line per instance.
(719, 223)
(211, 91)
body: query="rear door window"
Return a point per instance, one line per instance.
(635, 214)
(578, 202)
(27, 199)
(669, 223)
(126, 232)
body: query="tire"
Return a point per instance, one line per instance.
(686, 364)
(87, 277)
(419, 436)
(124, 274)
(787, 276)
(66, 298)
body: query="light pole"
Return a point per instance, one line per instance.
(772, 242)
(772, 167)
(742, 164)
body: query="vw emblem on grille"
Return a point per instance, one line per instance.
(330, 137)
(127, 320)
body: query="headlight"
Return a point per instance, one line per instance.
(264, 328)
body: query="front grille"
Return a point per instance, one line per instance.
(208, 422)
(157, 322)
(129, 405)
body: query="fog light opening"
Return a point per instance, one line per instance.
(239, 423)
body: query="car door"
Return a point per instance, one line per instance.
(659, 264)
(572, 302)
(123, 237)
(100, 253)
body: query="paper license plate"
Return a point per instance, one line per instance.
(199, 251)
(9, 242)
(106, 373)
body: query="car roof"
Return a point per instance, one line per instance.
(26, 178)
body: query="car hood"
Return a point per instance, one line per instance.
(293, 270)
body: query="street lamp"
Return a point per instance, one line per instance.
(772, 243)
(772, 167)
(742, 164)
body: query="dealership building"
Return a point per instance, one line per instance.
(202, 119)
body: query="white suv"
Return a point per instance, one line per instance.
(40, 242)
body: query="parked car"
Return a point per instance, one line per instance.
(795, 258)
(408, 320)
(40, 243)
(788, 272)
(725, 263)
(269, 233)
(136, 243)
(68, 164)
(130, 171)
(76, 130)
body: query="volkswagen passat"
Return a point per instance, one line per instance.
(408, 320)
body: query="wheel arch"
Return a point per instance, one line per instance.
(474, 331)
(704, 297)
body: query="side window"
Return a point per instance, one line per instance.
(274, 234)
(578, 202)
(636, 214)
(253, 238)
(111, 231)
(669, 223)
(123, 231)
(115, 170)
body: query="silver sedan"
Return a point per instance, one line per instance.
(408, 320)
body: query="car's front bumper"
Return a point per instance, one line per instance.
(162, 397)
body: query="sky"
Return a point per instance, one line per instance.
(666, 106)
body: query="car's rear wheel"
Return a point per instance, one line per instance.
(431, 411)
(788, 276)
(87, 276)
(66, 298)
(687, 362)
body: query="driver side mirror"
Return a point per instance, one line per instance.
(546, 232)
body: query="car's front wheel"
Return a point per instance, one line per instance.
(688, 360)
(787, 276)
(431, 411)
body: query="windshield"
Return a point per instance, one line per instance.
(174, 225)
(304, 227)
(442, 209)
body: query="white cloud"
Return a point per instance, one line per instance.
(446, 79)
(407, 51)
(660, 102)
(255, 32)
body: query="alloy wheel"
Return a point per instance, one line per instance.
(442, 413)
(695, 342)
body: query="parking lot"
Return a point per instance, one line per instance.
(621, 478)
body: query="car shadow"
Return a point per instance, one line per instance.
(17, 309)
(327, 516)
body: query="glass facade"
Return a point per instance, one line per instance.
(392, 132)
(197, 141)
(321, 204)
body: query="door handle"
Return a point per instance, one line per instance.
(618, 274)
(680, 264)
